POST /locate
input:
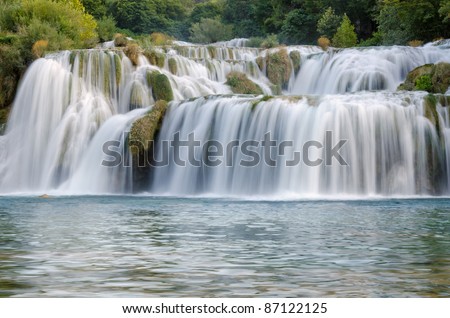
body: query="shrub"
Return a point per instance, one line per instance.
(161, 39)
(132, 51)
(254, 42)
(323, 42)
(210, 31)
(345, 35)
(415, 43)
(39, 48)
(106, 28)
(270, 41)
(120, 40)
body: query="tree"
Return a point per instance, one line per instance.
(401, 21)
(299, 28)
(328, 23)
(345, 35)
(210, 31)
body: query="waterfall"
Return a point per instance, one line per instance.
(388, 140)
(369, 69)
(69, 105)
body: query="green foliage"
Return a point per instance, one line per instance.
(345, 35)
(401, 21)
(270, 41)
(96, 8)
(210, 31)
(241, 84)
(241, 14)
(299, 27)
(424, 83)
(106, 28)
(328, 23)
(374, 40)
(206, 10)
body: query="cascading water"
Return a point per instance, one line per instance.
(71, 103)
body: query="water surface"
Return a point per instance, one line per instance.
(178, 247)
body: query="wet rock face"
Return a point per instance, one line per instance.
(433, 78)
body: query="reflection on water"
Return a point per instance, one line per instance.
(135, 246)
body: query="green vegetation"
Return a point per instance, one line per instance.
(144, 130)
(210, 31)
(424, 83)
(241, 84)
(433, 78)
(31, 28)
(328, 23)
(279, 68)
(162, 90)
(345, 35)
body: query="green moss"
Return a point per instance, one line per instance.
(441, 78)
(154, 57)
(162, 90)
(212, 51)
(241, 84)
(173, 66)
(279, 67)
(145, 129)
(296, 59)
(106, 75)
(255, 103)
(424, 83)
(118, 68)
(430, 111)
(428, 77)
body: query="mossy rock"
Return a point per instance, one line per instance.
(120, 40)
(212, 51)
(279, 67)
(118, 68)
(296, 60)
(161, 88)
(260, 62)
(444, 100)
(144, 130)
(433, 78)
(430, 111)
(173, 67)
(241, 84)
(155, 58)
(132, 51)
(441, 78)
(4, 114)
